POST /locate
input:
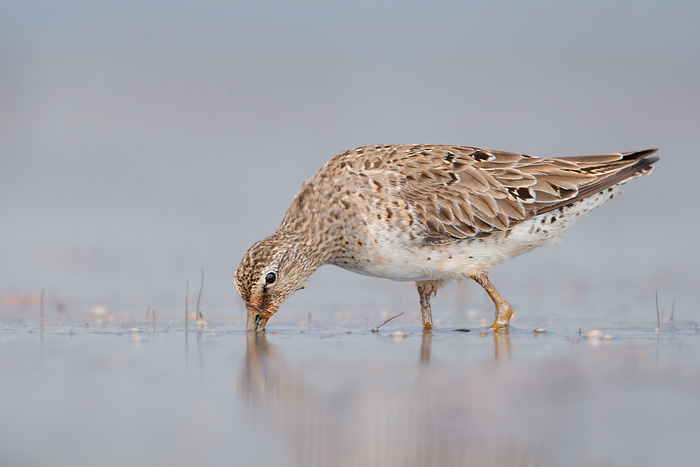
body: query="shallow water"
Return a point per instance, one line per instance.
(339, 394)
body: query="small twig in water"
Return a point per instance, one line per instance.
(658, 316)
(148, 312)
(187, 299)
(376, 328)
(200, 316)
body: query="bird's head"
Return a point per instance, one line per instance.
(271, 270)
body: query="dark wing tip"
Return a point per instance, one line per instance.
(651, 160)
(639, 155)
(643, 161)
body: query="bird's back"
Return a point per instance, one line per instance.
(458, 192)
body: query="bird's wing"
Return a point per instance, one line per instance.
(460, 192)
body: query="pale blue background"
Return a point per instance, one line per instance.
(142, 141)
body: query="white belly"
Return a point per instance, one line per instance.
(394, 255)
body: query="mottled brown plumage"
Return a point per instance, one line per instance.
(427, 213)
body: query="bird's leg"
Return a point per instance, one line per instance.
(504, 311)
(426, 289)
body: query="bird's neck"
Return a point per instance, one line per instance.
(311, 233)
(305, 246)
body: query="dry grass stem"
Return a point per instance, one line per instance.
(376, 329)
(658, 315)
(200, 316)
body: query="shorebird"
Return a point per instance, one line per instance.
(429, 214)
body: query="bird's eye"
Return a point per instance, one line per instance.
(270, 278)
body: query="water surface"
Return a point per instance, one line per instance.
(339, 394)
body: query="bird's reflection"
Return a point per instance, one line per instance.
(277, 395)
(361, 411)
(501, 345)
(259, 377)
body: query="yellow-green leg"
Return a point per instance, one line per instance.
(426, 289)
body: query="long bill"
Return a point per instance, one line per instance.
(257, 319)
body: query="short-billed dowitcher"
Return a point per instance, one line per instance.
(427, 213)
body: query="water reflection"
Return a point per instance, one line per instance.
(426, 343)
(383, 413)
(257, 382)
(501, 344)
(276, 396)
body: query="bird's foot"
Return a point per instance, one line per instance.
(504, 312)
(427, 317)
